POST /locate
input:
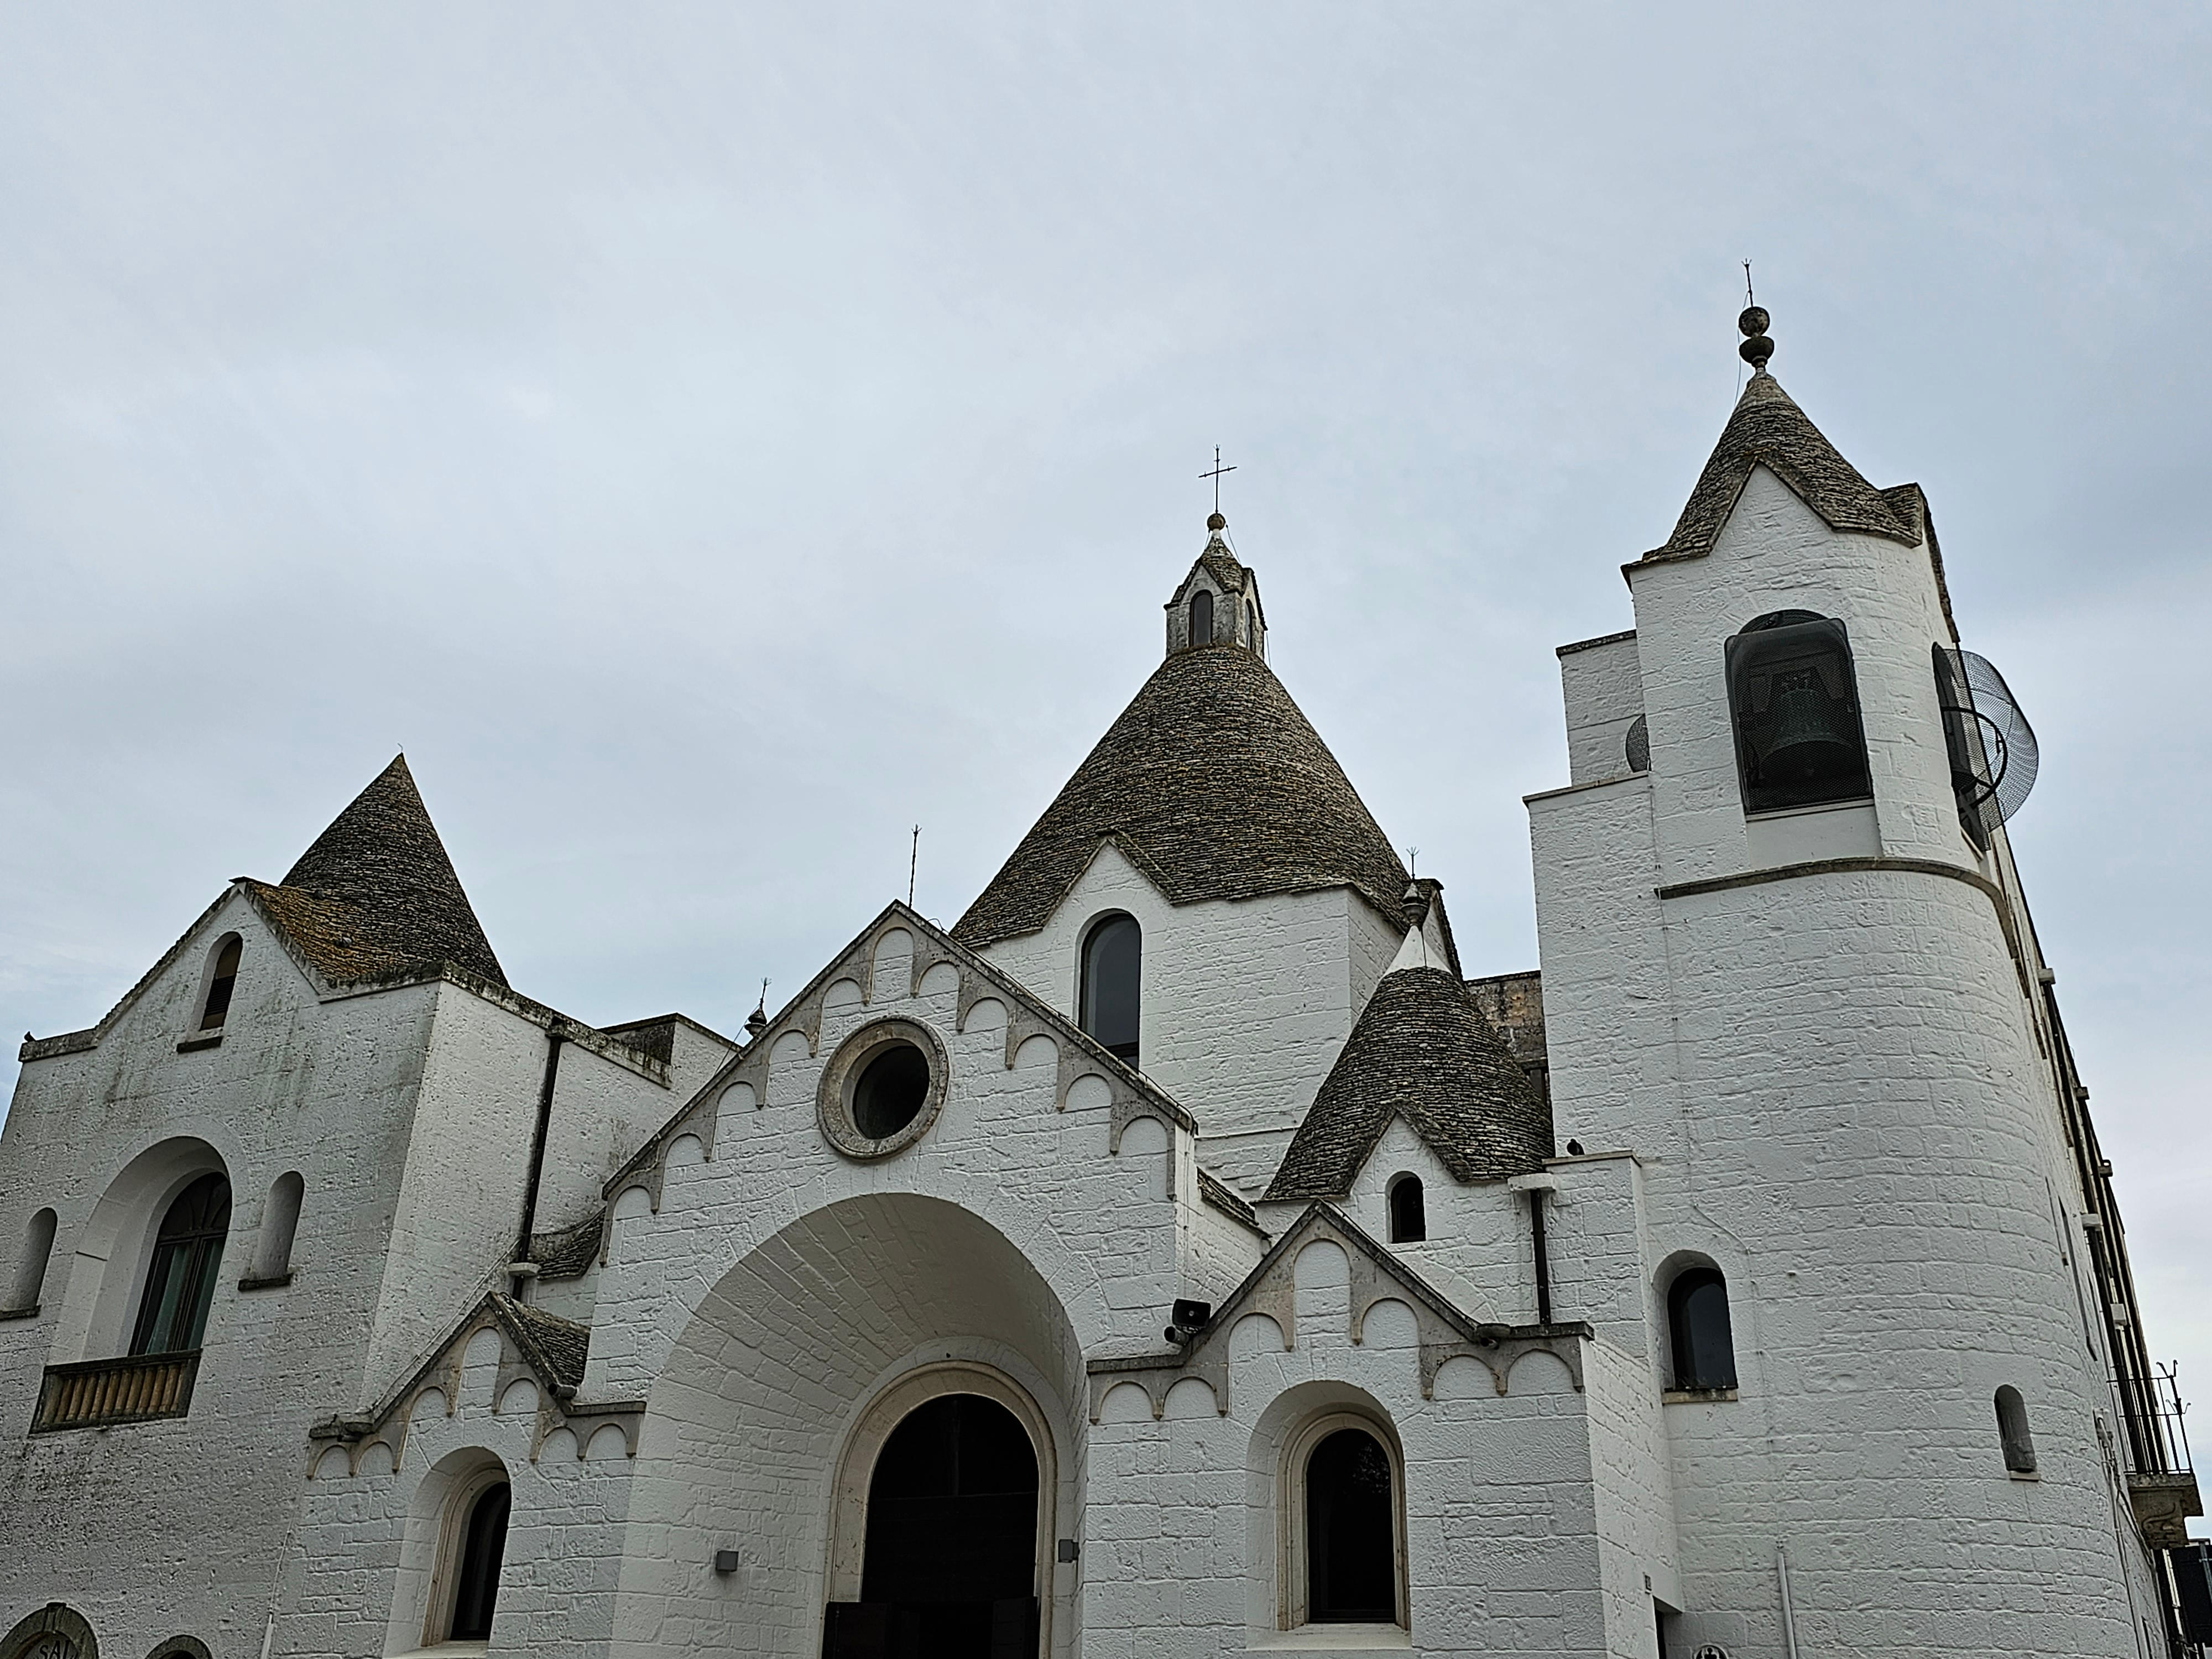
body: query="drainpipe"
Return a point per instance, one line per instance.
(521, 1260)
(1789, 1613)
(1536, 1186)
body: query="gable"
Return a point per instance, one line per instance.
(1132, 1096)
(1445, 1332)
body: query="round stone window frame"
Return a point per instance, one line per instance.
(833, 1098)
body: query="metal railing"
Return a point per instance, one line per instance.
(137, 1388)
(2156, 1421)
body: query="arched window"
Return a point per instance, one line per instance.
(1409, 1215)
(1698, 1321)
(180, 1281)
(1251, 625)
(1345, 1563)
(280, 1221)
(222, 980)
(951, 1557)
(476, 1576)
(2012, 1431)
(1794, 701)
(31, 1266)
(1113, 976)
(1201, 618)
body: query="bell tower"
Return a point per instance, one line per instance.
(1787, 966)
(1219, 602)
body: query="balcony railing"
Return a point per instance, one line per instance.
(2155, 1410)
(93, 1393)
(2162, 1486)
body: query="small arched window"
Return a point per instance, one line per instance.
(1409, 1215)
(1201, 618)
(180, 1281)
(2012, 1431)
(475, 1574)
(1113, 977)
(1795, 702)
(1698, 1320)
(1251, 625)
(280, 1222)
(222, 980)
(1351, 1567)
(31, 1266)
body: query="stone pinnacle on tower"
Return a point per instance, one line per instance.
(1757, 347)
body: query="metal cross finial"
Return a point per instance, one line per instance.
(1216, 475)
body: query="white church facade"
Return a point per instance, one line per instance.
(1182, 1256)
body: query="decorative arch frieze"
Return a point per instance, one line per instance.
(1444, 1333)
(1133, 1096)
(533, 1347)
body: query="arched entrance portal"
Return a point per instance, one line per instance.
(950, 1566)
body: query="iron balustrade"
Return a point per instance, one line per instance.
(136, 1388)
(2155, 1410)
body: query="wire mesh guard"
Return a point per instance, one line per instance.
(1992, 747)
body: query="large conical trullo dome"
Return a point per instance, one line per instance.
(1215, 785)
(376, 893)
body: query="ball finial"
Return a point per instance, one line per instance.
(1215, 521)
(1757, 348)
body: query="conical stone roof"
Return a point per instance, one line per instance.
(1215, 785)
(376, 895)
(1421, 1050)
(1767, 428)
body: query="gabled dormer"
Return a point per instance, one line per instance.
(1219, 602)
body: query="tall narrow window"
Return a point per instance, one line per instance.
(1352, 1566)
(280, 1221)
(1113, 974)
(1409, 1215)
(484, 1547)
(1795, 704)
(2012, 1431)
(1698, 1320)
(1201, 618)
(1251, 626)
(31, 1267)
(180, 1282)
(222, 979)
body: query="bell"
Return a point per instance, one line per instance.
(1808, 736)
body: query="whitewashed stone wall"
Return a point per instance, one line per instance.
(123, 1519)
(1245, 1003)
(1833, 1090)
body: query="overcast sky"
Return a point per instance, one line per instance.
(713, 440)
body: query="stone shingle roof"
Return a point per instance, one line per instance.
(1421, 1050)
(1767, 428)
(376, 895)
(558, 1347)
(1215, 785)
(569, 1251)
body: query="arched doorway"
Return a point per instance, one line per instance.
(950, 1566)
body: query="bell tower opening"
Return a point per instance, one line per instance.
(1219, 602)
(949, 1567)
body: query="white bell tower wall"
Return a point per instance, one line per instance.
(1820, 1033)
